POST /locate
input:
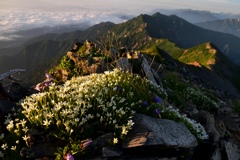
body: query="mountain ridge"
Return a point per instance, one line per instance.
(133, 34)
(221, 72)
(188, 35)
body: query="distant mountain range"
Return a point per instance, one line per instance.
(220, 22)
(177, 30)
(192, 16)
(231, 26)
(139, 33)
(18, 38)
(197, 16)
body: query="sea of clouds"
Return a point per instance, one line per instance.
(13, 21)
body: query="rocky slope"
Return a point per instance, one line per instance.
(150, 138)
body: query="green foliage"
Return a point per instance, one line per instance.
(200, 100)
(82, 49)
(173, 82)
(210, 94)
(237, 105)
(176, 97)
(237, 81)
(182, 92)
(66, 63)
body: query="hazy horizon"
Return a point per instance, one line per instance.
(133, 6)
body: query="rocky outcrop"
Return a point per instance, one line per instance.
(147, 70)
(9, 95)
(232, 150)
(147, 136)
(124, 64)
(10, 74)
(161, 133)
(150, 138)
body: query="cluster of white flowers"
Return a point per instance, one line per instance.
(158, 89)
(196, 128)
(4, 144)
(107, 99)
(202, 101)
(14, 124)
(104, 98)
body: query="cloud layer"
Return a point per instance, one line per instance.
(18, 15)
(19, 20)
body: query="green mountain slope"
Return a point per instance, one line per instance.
(163, 44)
(209, 56)
(206, 62)
(177, 30)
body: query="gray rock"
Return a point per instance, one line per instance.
(147, 70)
(208, 121)
(10, 74)
(157, 78)
(232, 150)
(112, 151)
(100, 142)
(45, 149)
(17, 91)
(153, 158)
(148, 131)
(216, 155)
(221, 128)
(226, 110)
(5, 108)
(103, 140)
(3, 94)
(124, 64)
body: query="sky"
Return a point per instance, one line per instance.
(18, 15)
(136, 5)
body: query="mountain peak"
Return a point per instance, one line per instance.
(157, 14)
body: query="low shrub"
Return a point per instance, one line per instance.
(85, 108)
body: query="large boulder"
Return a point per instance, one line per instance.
(148, 131)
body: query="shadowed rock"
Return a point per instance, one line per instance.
(163, 133)
(232, 150)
